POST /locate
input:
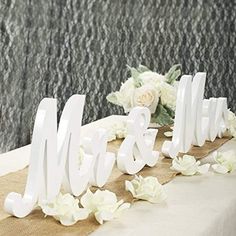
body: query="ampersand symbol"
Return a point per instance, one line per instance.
(136, 150)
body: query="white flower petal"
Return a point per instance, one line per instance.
(231, 126)
(225, 160)
(129, 187)
(123, 207)
(111, 137)
(103, 216)
(189, 172)
(65, 208)
(219, 169)
(146, 96)
(86, 200)
(103, 204)
(203, 169)
(48, 209)
(65, 220)
(81, 214)
(187, 165)
(148, 189)
(168, 95)
(168, 134)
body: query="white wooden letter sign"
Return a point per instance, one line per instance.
(54, 153)
(196, 119)
(54, 157)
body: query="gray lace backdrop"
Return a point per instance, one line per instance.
(56, 48)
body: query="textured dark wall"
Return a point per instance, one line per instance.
(55, 48)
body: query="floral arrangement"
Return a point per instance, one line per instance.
(103, 204)
(150, 89)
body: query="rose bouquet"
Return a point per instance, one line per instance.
(150, 89)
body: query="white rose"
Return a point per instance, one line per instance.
(152, 78)
(148, 189)
(231, 123)
(146, 96)
(187, 165)
(103, 204)
(226, 162)
(64, 208)
(125, 94)
(168, 95)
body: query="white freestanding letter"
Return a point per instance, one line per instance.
(200, 122)
(53, 156)
(183, 123)
(103, 161)
(136, 150)
(216, 111)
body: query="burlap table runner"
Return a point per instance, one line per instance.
(36, 224)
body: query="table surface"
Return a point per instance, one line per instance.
(197, 205)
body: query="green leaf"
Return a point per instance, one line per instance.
(161, 116)
(112, 98)
(135, 75)
(175, 76)
(170, 111)
(173, 68)
(173, 73)
(143, 68)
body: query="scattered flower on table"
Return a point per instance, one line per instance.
(226, 162)
(117, 130)
(103, 204)
(168, 134)
(147, 188)
(65, 208)
(232, 123)
(187, 165)
(150, 89)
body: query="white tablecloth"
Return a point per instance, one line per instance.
(198, 205)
